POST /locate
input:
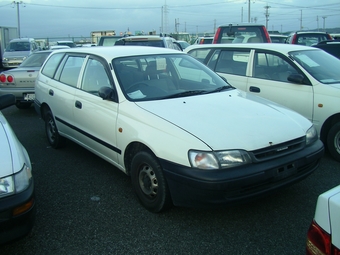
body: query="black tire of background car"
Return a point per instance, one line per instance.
(149, 183)
(22, 105)
(54, 139)
(333, 141)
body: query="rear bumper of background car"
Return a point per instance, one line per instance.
(19, 93)
(12, 226)
(205, 188)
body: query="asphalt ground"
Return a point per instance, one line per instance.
(87, 206)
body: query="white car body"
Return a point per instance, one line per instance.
(176, 129)
(327, 218)
(315, 98)
(17, 199)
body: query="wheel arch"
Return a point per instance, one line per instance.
(43, 110)
(327, 126)
(130, 151)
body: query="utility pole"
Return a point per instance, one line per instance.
(248, 11)
(266, 14)
(324, 18)
(18, 15)
(301, 21)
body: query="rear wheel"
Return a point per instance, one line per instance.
(53, 137)
(333, 141)
(149, 183)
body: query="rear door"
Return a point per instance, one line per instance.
(95, 117)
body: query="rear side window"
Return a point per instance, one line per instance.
(70, 73)
(199, 54)
(52, 64)
(241, 34)
(233, 62)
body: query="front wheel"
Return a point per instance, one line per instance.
(149, 183)
(53, 136)
(333, 141)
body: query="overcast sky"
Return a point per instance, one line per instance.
(77, 18)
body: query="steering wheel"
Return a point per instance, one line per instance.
(136, 86)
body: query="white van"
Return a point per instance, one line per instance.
(17, 51)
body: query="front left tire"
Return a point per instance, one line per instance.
(149, 182)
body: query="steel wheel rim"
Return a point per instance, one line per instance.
(148, 181)
(337, 142)
(51, 129)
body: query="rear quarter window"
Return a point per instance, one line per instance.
(70, 73)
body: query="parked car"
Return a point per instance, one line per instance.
(20, 81)
(183, 134)
(242, 33)
(324, 232)
(308, 38)
(204, 40)
(17, 51)
(304, 79)
(58, 47)
(331, 46)
(183, 44)
(150, 40)
(108, 40)
(278, 38)
(70, 44)
(17, 199)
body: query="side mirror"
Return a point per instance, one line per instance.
(107, 93)
(7, 101)
(296, 78)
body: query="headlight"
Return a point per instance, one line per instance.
(215, 160)
(5, 59)
(15, 183)
(311, 135)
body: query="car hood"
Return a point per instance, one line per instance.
(12, 156)
(218, 118)
(16, 53)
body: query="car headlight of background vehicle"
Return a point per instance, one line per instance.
(15, 183)
(311, 135)
(5, 59)
(218, 159)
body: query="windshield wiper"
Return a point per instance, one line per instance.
(219, 89)
(186, 93)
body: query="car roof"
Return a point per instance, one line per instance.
(242, 25)
(279, 47)
(22, 39)
(109, 52)
(145, 37)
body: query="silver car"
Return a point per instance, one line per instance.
(20, 81)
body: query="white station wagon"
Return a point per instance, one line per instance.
(183, 134)
(302, 78)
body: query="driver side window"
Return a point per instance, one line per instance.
(94, 77)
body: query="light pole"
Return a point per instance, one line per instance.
(18, 15)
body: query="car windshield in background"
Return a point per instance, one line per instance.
(246, 34)
(35, 60)
(321, 65)
(18, 46)
(165, 76)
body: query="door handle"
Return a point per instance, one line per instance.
(78, 104)
(254, 89)
(51, 92)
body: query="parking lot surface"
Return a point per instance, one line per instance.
(87, 206)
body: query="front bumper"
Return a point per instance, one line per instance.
(205, 188)
(15, 227)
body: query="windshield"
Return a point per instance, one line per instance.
(18, 46)
(35, 60)
(156, 77)
(318, 63)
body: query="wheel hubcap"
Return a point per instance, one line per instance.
(337, 142)
(51, 130)
(148, 181)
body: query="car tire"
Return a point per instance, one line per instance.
(333, 141)
(52, 133)
(22, 105)
(149, 183)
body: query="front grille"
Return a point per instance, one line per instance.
(278, 150)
